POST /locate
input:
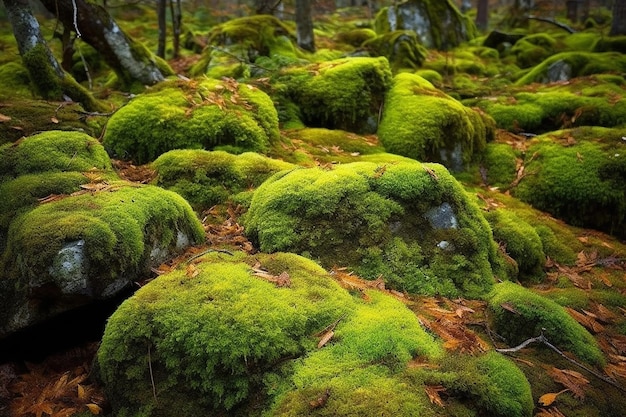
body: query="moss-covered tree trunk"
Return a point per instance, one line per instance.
(304, 25)
(619, 18)
(130, 60)
(49, 79)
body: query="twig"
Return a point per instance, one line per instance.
(196, 256)
(151, 375)
(554, 22)
(243, 61)
(332, 325)
(542, 339)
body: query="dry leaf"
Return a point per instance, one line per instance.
(4, 118)
(321, 400)
(54, 120)
(433, 394)
(547, 399)
(94, 408)
(192, 271)
(81, 392)
(325, 339)
(572, 380)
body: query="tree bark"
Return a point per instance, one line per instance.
(49, 79)
(177, 17)
(130, 60)
(482, 14)
(161, 8)
(618, 27)
(304, 25)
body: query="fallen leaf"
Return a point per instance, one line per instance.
(54, 120)
(433, 394)
(572, 380)
(94, 408)
(325, 339)
(321, 400)
(547, 399)
(4, 118)
(192, 271)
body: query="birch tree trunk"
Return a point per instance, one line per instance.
(130, 60)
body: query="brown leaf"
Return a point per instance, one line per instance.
(4, 118)
(192, 271)
(433, 394)
(94, 408)
(54, 120)
(325, 339)
(586, 320)
(572, 380)
(321, 400)
(509, 307)
(547, 399)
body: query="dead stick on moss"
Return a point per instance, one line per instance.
(542, 339)
(196, 256)
(554, 22)
(151, 375)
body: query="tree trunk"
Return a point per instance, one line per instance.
(618, 27)
(177, 17)
(161, 8)
(482, 14)
(304, 25)
(49, 79)
(130, 60)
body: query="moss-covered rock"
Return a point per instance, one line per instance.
(439, 24)
(355, 37)
(402, 48)
(424, 123)
(410, 222)
(207, 114)
(14, 81)
(500, 165)
(340, 94)
(520, 241)
(578, 175)
(528, 315)
(208, 178)
(213, 338)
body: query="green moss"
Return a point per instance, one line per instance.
(355, 37)
(431, 76)
(528, 53)
(424, 123)
(340, 94)
(413, 225)
(122, 229)
(535, 315)
(212, 338)
(14, 81)
(192, 114)
(402, 48)
(611, 44)
(581, 184)
(207, 178)
(499, 161)
(520, 241)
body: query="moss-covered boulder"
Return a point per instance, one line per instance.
(401, 47)
(439, 24)
(579, 175)
(207, 178)
(594, 101)
(426, 124)
(410, 222)
(340, 94)
(217, 338)
(520, 314)
(235, 46)
(192, 114)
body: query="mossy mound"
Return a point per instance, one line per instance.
(402, 48)
(520, 241)
(410, 222)
(567, 65)
(528, 315)
(196, 114)
(341, 94)
(594, 101)
(533, 49)
(579, 175)
(439, 24)
(215, 337)
(426, 124)
(500, 164)
(355, 37)
(208, 178)
(15, 81)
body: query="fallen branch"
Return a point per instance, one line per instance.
(554, 22)
(542, 339)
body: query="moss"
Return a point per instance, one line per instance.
(424, 123)
(207, 178)
(15, 81)
(402, 48)
(340, 94)
(362, 366)
(535, 315)
(413, 225)
(53, 150)
(578, 64)
(611, 44)
(499, 161)
(528, 53)
(431, 76)
(581, 184)
(355, 37)
(214, 337)
(520, 241)
(122, 230)
(192, 114)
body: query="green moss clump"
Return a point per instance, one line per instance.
(209, 114)
(424, 123)
(402, 48)
(15, 81)
(520, 241)
(535, 315)
(215, 337)
(125, 232)
(54, 150)
(413, 223)
(340, 94)
(582, 183)
(528, 54)
(500, 163)
(208, 178)
(355, 37)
